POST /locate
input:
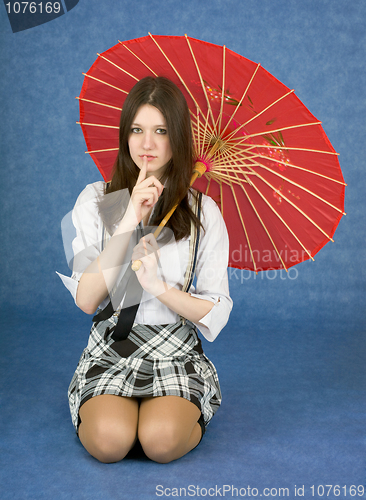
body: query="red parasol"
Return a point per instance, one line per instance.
(269, 165)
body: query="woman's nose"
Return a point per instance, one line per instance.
(148, 141)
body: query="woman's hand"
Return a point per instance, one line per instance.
(147, 251)
(144, 196)
(192, 308)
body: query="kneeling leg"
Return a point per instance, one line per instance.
(108, 428)
(168, 427)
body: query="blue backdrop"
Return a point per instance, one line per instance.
(316, 47)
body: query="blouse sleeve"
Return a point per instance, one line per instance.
(211, 271)
(88, 233)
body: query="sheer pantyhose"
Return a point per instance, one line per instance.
(166, 427)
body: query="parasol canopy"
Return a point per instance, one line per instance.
(268, 162)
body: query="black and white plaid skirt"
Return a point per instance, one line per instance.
(155, 360)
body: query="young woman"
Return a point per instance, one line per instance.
(156, 385)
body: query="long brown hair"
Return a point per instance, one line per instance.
(169, 100)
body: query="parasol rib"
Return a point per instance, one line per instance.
(223, 86)
(241, 100)
(205, 139)
(118, 67)
(99, 103)
(293, 204)
(269, 106)
(285, 198)
(97, 125)
(294, 166)
(303, 188)
(101, 151)
(276, 213)
(104, 83)
(244, 228)
(175, 71)
(266, 132)
(228, 174)
(278, 174)
(263, 225)
(252, 146)
(269, 146)
(208, 185)
(198, 128)
(260, 113)
(137, 57)
(225, 175)
(226, 179)
(205, 134)
(202, 82)
(221, 200)
(280, 218)
(241, 157)
(196, 140)
(291, 165)
(207, 125)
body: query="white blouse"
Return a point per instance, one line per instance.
(211, 270)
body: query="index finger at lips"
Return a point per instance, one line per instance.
(142, 174)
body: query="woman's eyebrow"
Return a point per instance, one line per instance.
(138, 125)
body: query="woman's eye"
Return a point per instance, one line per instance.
(136, 130)
(161, 131)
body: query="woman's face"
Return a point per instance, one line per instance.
(149, 138)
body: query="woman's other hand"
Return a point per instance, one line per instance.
(147, 251)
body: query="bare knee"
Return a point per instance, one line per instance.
(106, 441)
(161, 443)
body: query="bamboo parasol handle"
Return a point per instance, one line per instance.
(199, 169)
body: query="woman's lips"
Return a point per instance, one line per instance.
(149, 157)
